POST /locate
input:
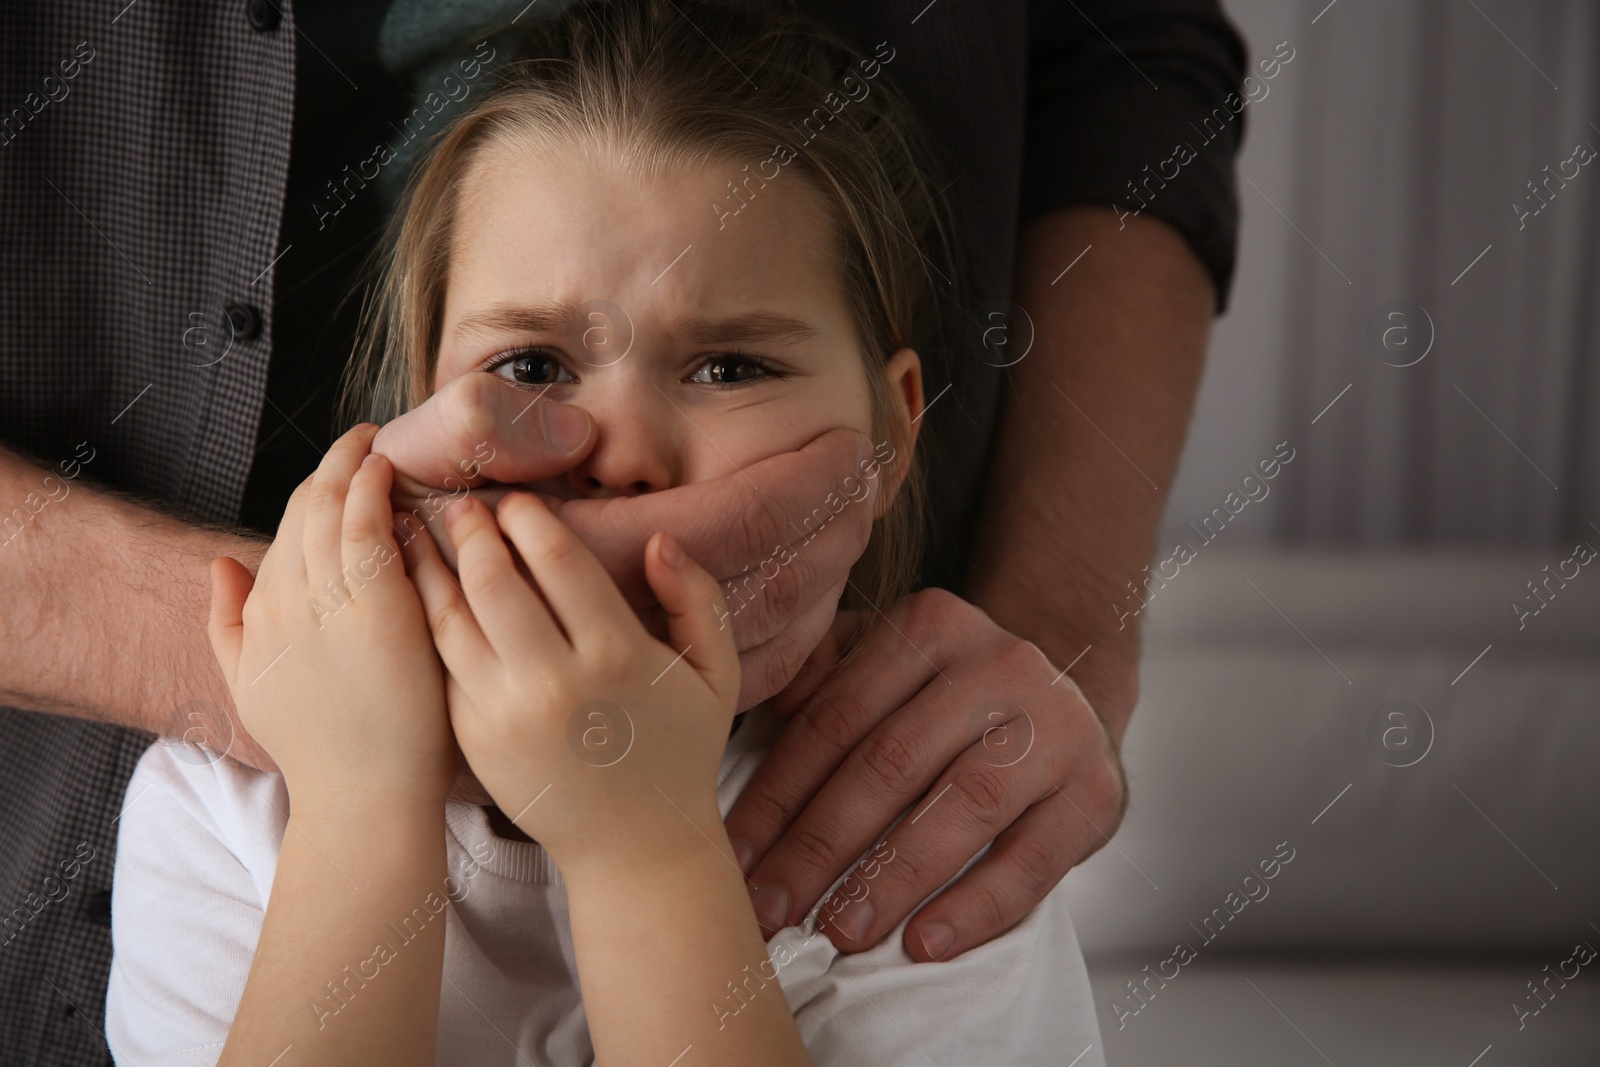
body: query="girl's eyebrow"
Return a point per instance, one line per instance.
(759, 325)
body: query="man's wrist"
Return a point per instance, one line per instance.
(142, 577)
(1103, 663)
(168, 563)
(1111, 687)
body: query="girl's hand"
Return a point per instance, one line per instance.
(327, 651)
(597, 740)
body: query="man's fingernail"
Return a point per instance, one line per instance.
(745, 855)
(456, 509)
(772, 906)
(565, 427)
(854, 921)
(936, 938)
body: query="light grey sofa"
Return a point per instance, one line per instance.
(1434, 885)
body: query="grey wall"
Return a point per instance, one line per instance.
(1384, 158)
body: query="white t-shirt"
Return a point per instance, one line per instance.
(198, 846)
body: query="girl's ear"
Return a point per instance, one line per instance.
(903, 373)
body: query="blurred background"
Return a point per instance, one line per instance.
(1382, 662)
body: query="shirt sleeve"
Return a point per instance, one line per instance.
(187, 902)
(1114, 87)
(1023, 999)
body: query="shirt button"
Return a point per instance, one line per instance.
(245, 320)
(98, 907)
(263, 14)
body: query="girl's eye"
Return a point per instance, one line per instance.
(531, 367)
(732, 369)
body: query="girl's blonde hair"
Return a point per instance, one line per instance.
(664, 84)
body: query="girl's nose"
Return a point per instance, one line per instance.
(635, 450)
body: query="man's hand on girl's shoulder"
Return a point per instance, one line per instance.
(977, 730)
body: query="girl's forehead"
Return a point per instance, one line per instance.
(547, 226)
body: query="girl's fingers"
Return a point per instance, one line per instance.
(456, 633)
(230, 585)
(513, 619)
(286, 553)
(324, 509)
(582, 596)
(370, 557)
(697, 614)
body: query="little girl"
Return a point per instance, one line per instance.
(739, 201)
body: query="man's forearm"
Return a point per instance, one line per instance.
(1091, 425)
(105, 603)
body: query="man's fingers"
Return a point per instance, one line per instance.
(969, 805)
(822, 734)
(775, 663)
(817, 667)
(743, 522)
(230, 586)
(998, 891)
(927, 758)
(781, 660)
(791, 576)
(479, 428)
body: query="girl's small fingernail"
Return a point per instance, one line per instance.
(371, 457)
(456, 509)
(671, 552)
